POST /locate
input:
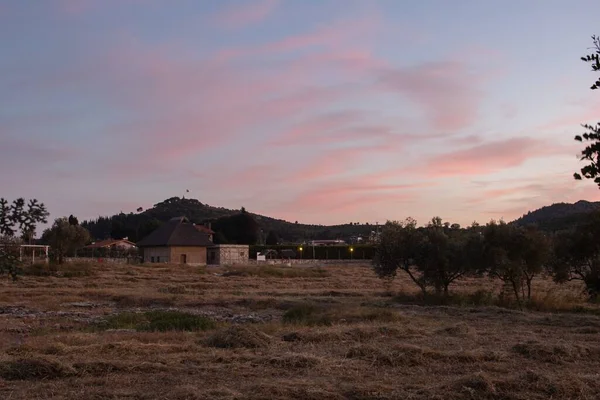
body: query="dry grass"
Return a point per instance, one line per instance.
(336, 332)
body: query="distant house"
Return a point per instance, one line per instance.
(120, 244)
(177, 241)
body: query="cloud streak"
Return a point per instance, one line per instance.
(245, 14)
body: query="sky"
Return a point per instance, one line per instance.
(317, 111)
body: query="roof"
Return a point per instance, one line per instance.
(176, 232)
(205, 229)
(108, 243)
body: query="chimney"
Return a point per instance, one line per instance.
(208, 225)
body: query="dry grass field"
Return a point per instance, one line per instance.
(171, 332)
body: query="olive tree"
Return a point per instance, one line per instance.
(577, 256)
(65, 238)
(433, 257)
(397, 249)
(515, 255)
(447, 254)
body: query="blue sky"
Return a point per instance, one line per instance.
(316, 111)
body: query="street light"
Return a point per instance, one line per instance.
(351, 252)
(300, 248)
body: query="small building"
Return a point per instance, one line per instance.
(228, 254)
(120, 244)
(177, 241)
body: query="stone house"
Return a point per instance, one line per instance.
(228, 254)
(177, 241)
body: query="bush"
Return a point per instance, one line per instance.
(160, 321)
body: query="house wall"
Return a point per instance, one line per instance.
(162, 254)
(194, 255)
(228, 254)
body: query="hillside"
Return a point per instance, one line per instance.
(559, 216)
(137, 225)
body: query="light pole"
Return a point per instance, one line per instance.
(351, 252)
(300, 248)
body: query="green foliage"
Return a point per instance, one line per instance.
(158, 321)
(13, 217)
(434, 256)
(241, 228)
(446, 254)
(515, 255)
(577, 256)
(65, 238)
(35, 214)
(9, 260)
(591, 152)
(398, 248)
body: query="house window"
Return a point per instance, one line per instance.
(157, 259)
(152, 259)
(241, 254)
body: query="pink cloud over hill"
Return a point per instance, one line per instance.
(360, 111)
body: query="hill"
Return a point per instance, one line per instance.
(137, 225)
(559, 216)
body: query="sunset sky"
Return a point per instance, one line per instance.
(321, 111)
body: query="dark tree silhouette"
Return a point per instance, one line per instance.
(272, 238)
(591, 153)
(21, 215)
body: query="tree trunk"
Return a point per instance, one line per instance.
(516, 291)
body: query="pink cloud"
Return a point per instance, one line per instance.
(447, 91)
(347, 197)
(489, 157)
(588, 113)
(248, 13)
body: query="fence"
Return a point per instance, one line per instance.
(350, 252)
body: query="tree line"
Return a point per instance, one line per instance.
(436, 256)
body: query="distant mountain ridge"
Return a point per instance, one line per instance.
(137, 225)
(559, 216)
